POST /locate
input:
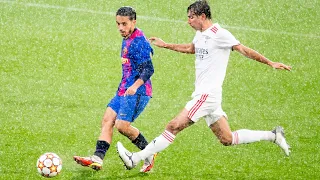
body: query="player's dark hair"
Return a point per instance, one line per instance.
(199, 7)
(127, 11)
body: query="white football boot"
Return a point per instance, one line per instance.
(126, 156)
(280, 140)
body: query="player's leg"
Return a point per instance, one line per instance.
(133, 106)
(180, 122)
(217, 121)
(130, 108)
(176, 125)
(198, 107)
(222, 130)
(105, 138)
(137, 139)
(220, 127)
(125, 128)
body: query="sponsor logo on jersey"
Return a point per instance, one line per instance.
(201, 52)
(125, 60)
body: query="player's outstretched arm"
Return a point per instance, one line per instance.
(183, 48)
(252, 54)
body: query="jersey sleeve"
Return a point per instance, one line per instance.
(226, 39)
(142, 51)
(141, 55)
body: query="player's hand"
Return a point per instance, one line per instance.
(157, 41)
(277, 65)
(130, 91)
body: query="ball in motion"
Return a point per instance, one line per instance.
(49, 164)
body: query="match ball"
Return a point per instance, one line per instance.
(49, 164)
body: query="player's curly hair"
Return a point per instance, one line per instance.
(199, 7)
(127, 11)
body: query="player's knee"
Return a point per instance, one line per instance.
(107, 122)
(121, 127)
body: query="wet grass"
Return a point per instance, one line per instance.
(59, 66)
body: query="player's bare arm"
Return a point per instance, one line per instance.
(252, 54)
(133, 89)
(183, 48)
(145, 74)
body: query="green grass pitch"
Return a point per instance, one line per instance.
(59, 66)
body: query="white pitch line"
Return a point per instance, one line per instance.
(47, 6)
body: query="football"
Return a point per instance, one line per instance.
(49, 164)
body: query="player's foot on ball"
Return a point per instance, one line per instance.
(281, 140)
(93, 162)
(148, 164)
(126, 156)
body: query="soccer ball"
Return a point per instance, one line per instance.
(49, 164)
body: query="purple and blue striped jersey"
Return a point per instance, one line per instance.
(135, 50)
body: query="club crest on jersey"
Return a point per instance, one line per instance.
(206, 38)
(124, 51)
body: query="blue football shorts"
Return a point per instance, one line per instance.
(128, 107)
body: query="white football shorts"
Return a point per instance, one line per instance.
(207, 107)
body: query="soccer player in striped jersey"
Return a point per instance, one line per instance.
(211, 45)
(133, 94)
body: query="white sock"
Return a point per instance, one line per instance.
(157, 145)
(244, 136)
